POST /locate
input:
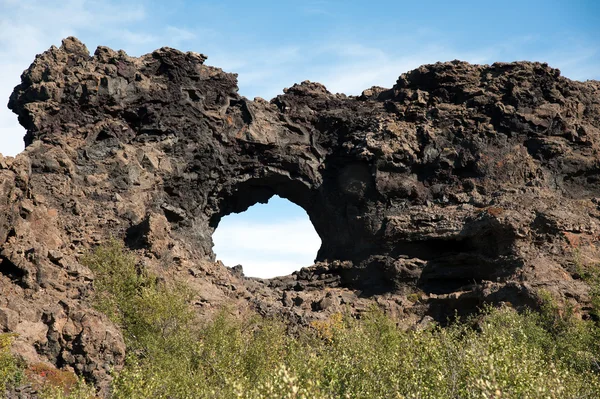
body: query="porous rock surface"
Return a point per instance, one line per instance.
(462, 184)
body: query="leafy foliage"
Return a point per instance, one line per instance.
(590, 273)
(498, 354)
(78, 390)
(10, 372)
(154, 317)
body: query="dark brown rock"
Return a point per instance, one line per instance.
(464, 183)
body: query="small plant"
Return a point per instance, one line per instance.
(327, 329)
(414, 297)
(42, 375)
(10, 372)
(79, 390)
(590, 273)
(117, 282)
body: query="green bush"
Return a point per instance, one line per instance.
(154, 317)
(591, 275)
(499, 354)
(10, 372)
(80, 390)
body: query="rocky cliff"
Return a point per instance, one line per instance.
(461, 184)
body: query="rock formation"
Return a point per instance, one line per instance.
(462, 184)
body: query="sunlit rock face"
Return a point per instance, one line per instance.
(464, 183)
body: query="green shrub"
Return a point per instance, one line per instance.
(591, 275)
(506, 356)
(10, 372)
(172, 354)
(117, 281)
(155, 317)
(158, 325)
(79, 390)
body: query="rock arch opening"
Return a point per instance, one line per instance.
(268, 239)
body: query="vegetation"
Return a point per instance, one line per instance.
(49, 382)
(155, 318)
(10, 371)
(498, 354)
(590, 273)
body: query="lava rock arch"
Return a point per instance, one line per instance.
(439, 169)
(462, 183)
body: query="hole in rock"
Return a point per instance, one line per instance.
(268, 240)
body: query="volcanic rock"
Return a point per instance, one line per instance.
(461, 184)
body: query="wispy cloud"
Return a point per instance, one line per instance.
(348, 67)
(264, 71)
(342, 67)
(266, 248)
(318, 8)
(30, 27)
(179, 35)
(576, 59)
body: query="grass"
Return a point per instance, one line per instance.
(171, 354)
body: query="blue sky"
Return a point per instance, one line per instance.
(268, 240)
(347, 45)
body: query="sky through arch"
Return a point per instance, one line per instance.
(268, 240)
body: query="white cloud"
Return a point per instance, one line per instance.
(279, 237)
(178, 35)
(318, 8)
(135, 38)
(268, 268)
(263, 71)
(31, 27)
(577, 61)
(350, 66)
(266, 248)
